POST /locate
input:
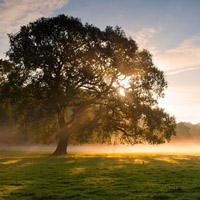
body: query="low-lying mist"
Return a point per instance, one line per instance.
(173, 147)
(139, 148)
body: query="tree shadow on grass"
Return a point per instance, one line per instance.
(101, 177)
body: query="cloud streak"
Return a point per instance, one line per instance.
(184, 57)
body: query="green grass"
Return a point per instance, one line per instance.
(26, 176)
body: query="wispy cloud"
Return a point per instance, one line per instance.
(20, 12)
(186, 56)
(144, 38)
(15, 13)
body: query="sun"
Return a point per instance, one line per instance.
(122, 91)
(124, 83)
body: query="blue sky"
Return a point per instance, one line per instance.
(170, 29)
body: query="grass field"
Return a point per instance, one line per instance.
(99, 176)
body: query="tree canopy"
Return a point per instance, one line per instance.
(65, 80)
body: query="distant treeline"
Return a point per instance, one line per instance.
(187, 131)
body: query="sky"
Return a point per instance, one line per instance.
(169, 29)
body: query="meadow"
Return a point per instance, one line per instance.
(36, 176)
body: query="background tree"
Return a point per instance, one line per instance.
(8, 127)
(66, 83)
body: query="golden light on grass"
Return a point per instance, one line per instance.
(69, 161)
(26, 164)
(168, 160)
(77, 170)
(9, 189)
(182, 158)
(10, 162)
(140, 161)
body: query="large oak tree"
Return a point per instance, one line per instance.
(67, 79)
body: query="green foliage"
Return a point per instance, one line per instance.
(66, 76)
(102, 176)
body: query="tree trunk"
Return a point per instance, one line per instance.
(61, 148)
(81, 121)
